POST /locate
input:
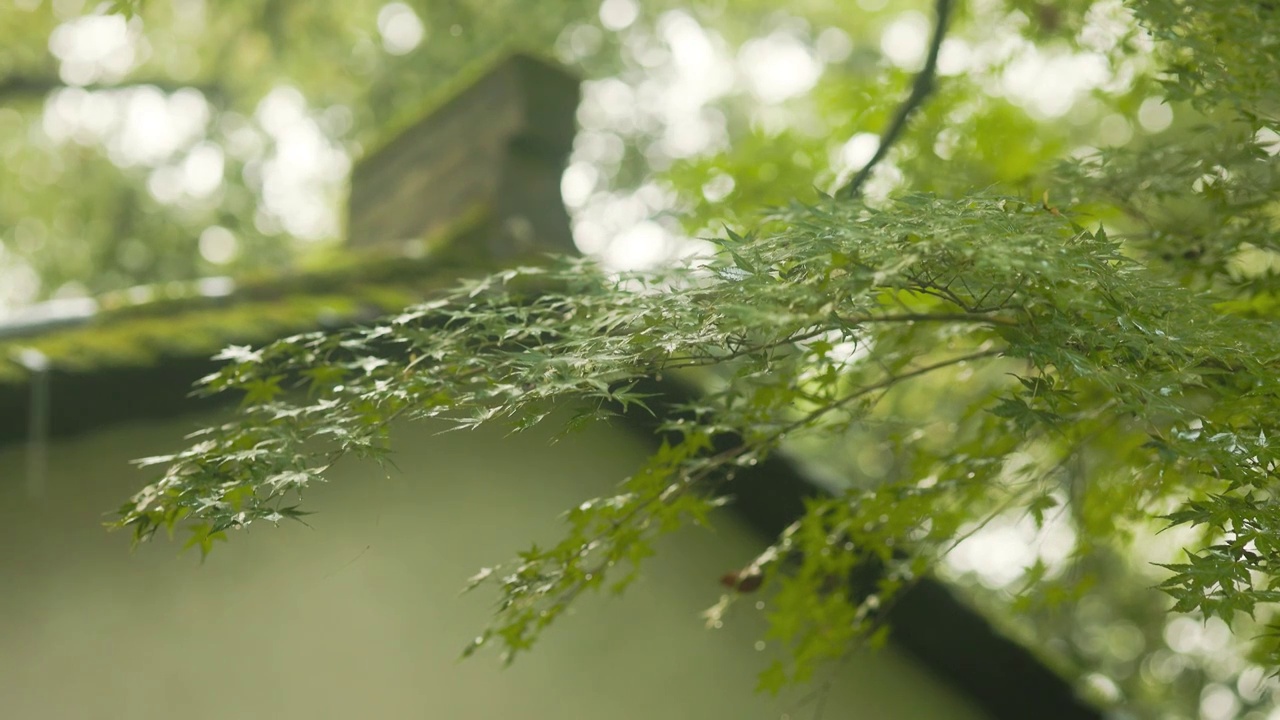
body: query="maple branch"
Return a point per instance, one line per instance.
(920, 89)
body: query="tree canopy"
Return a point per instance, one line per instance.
(1002, 267)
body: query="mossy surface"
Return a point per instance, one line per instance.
(349, 287)
(467, 77)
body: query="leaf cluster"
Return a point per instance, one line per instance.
(807, 324)
(1148, 345)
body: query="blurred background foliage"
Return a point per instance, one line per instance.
(195, 139)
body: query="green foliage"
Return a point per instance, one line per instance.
(127, 8)
(1096, 343)
(1016, 356)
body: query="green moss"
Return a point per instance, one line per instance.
(466, 78)
(345, 287)
(336, 288)
(143, 340)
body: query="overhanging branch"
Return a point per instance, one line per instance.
(920, 89)
(35, 87)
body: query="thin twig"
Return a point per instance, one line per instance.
(920, 89)
(887, 383)
(941, 317)
(822, 693)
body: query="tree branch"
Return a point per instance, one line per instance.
(920, 89)
(35, 87)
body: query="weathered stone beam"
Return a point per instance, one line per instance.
(497, 148)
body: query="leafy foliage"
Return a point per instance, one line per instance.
(1146, 346)
(811, 323)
